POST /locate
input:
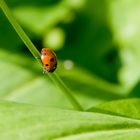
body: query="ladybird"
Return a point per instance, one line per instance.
(49, 60)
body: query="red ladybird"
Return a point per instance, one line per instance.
(48, 59)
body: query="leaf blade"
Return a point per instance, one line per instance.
(34, 122)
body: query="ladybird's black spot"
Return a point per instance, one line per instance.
(46, 65)
(52, 59)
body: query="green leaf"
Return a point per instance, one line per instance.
(125, 107)
(21, 121)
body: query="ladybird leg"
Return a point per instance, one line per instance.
(44, 71)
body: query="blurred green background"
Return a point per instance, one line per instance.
(96, 42)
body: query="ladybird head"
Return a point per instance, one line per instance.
(44, 51)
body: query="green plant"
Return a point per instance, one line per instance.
(30, 105)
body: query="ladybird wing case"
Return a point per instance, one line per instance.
(48, 59)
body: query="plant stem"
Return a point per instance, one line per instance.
(54, 77)
(58, 81)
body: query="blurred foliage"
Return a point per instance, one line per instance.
(19, 83)
(100, 38)
(93, 35)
